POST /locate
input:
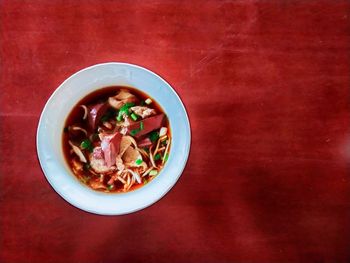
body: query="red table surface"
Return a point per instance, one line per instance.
(267, 88)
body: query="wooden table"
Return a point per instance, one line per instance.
(267, 87)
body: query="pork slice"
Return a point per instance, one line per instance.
(110, 146)
(95, 112)
(149, 124)
(144, 142)
(97, 161)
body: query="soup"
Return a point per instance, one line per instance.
(116, 139)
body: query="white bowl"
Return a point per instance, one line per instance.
(51, 124)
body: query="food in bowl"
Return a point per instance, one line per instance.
(116, 139)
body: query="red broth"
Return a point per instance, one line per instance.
(95, 172)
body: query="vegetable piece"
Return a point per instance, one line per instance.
(157, 157)
(110, 187)
(153, 172)
(134, 132)
(86, 145)
(142, 126)
(148, 101)
(145, 181)
(65, 129)
(78, 152)
(153, 136)
(139, 161)
(165, 158)
(124, 110)
(163, 131)
(134, 116)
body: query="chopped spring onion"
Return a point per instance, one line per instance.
(148, 101)
(138, 161)
(124, 110)
(134, 116)
(153, 172)
(141, 126)
(166, 156)
(134, 132)
(153, 136)
(157, 157)
(110, 187)
(86, 145)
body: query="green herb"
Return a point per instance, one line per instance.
(124, 110)
(119, 118)
(134, 132)
(110, 187)
(138, 161)
(153, 172)
(142, 126)
(65, 129)
(153, 136)
(86, 145)
(145, 181)
(134, 116)
(166, 157)
(143, 103)
(163, 143)
(157, 157)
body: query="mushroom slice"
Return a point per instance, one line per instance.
(130, 156)
(78, 152)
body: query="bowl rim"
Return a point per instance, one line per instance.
(52, 97)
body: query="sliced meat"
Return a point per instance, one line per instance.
(144, 142)
(124, 144)
(97, 162)
(143, 111)
(95, 113)
(149, 124)
(121, 98)
(110, 146)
